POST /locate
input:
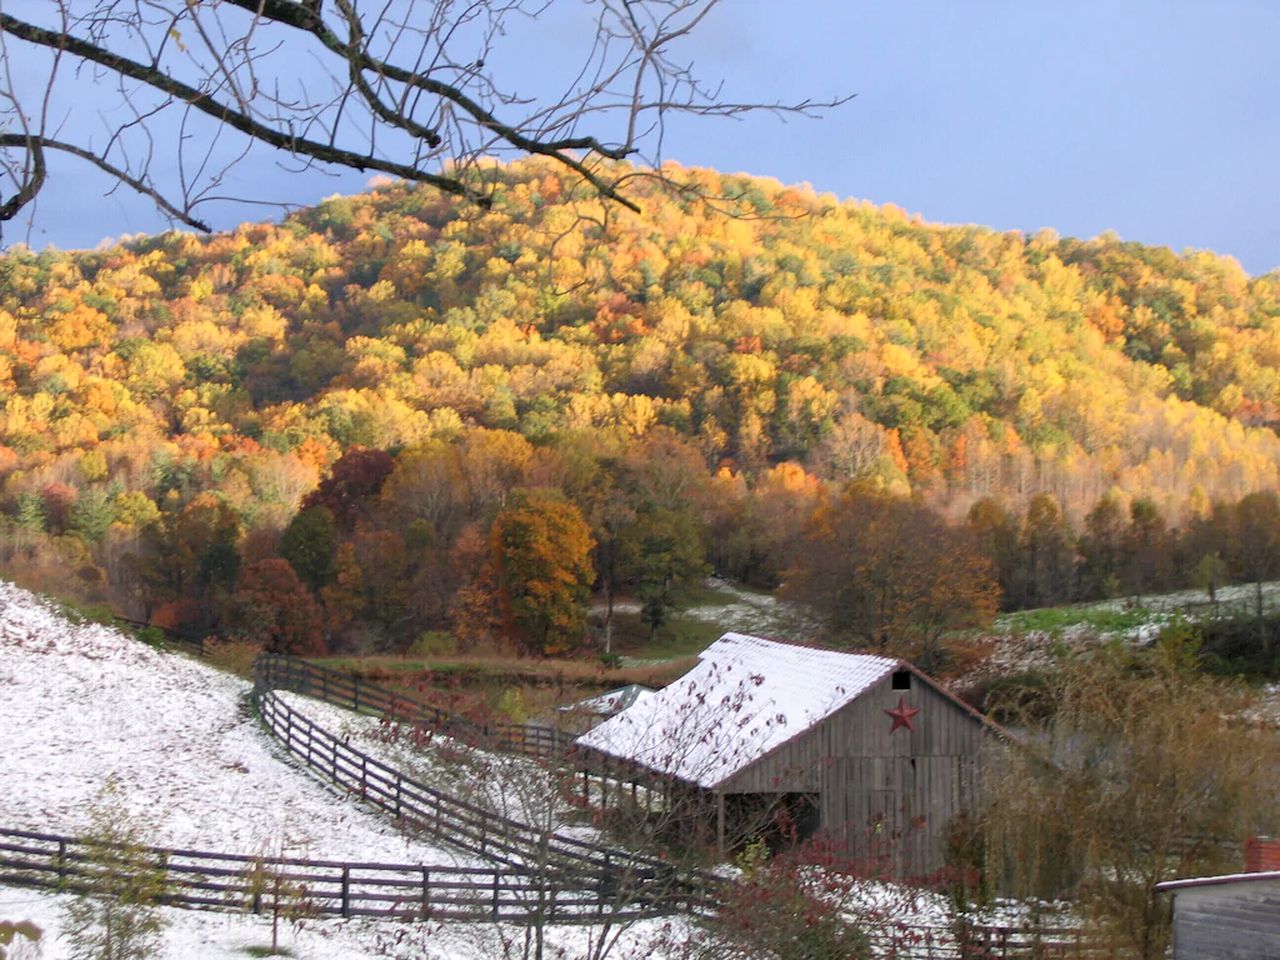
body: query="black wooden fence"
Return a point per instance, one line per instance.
(354, 693)
(207, 880)
(562, 861)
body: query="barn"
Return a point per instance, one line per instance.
(865, 748)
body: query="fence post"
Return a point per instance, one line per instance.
(495, 894)
(346, 891)
(399, 783)
(426, 892)
(355, 693)
(62, 859)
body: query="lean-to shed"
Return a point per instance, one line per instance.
(1233, 917)
(883, 757)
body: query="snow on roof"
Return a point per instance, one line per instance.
(611, 702)
(745, 697)
(1173, 886)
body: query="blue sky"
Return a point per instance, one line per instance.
(1158, 120)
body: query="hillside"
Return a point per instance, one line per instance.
(181, 395)
(836, 334)
(81, 704)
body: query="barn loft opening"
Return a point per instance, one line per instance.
(902, 680)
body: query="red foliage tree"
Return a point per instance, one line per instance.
(357, 477)
(272, 607)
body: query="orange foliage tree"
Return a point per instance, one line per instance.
(542, 554)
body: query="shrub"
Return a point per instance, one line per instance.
(233, 656)
(113, 914)
(152, 637)
(434, 643)
(775, 915)
(10, 930)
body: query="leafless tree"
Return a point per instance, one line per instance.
(171, 96)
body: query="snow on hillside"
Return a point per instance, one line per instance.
(514, 787)
(83, 703)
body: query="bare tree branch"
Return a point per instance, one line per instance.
(37, 146)
(400, 87)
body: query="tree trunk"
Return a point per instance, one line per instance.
(608, 616)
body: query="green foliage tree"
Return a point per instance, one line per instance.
(309, 543)
(662, 552)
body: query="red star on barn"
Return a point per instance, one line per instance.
(902, 715)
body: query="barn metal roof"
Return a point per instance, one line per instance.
(746, 697)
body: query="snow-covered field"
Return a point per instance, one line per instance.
(199, 935)
(81, 704)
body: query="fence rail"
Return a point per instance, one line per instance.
(977, 941)
(208, 880)
(354, 693)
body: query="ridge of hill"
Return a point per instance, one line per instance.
(955, 361)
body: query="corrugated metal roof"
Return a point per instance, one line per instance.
(746, 697)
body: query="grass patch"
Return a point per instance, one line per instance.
(1054, 620)
(681, 636)
(509, 670)
(267, 951)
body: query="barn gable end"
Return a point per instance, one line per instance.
(888, 757)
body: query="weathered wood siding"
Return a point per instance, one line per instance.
(889, 794)
(1227, 921)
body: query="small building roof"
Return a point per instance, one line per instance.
(611, 702)
(1173, 886)
(746, 697)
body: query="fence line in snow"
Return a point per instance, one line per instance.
(202, 879)
(540, 877)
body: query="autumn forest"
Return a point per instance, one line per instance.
(397, 415)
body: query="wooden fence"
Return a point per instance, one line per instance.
(902, 941)
(323, 888)
(562, 861)
(354, 693)
(537, 876)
